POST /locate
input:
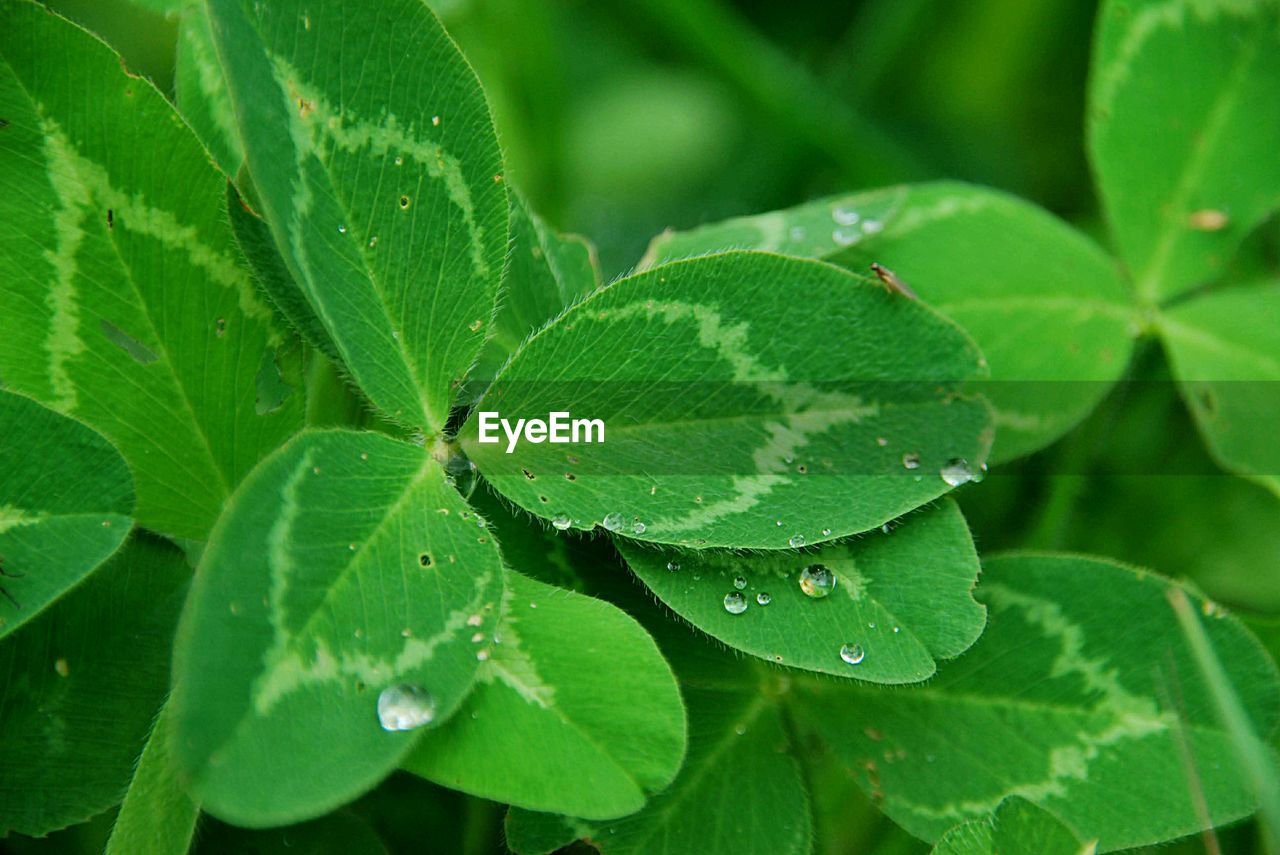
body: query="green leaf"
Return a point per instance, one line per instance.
(65, 499)
(201, 89)
(1225, 351)
(344, 566)
(108, 210)
(730, 418)
(575, 711)
(1045, 304)
(901, 600)
(383, 189)
(1181, 137)
(157, 816)
(1018, 827)
(546, 273)
(81, 686)
(738, 793)
(1081, 696)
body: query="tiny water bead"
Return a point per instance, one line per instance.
(795, 541)
(956, 472)
(673, 566)
(612, 522)
(638, 527)
(740, 582)
(817, 581)
(852, 653)
(405, 707)
(342, 229)
(911, 460)
(826, 532)
(560, 522)
(735, 603)
(845, 217)
(764, 598)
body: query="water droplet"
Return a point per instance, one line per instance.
(735, 603)
(399, 160)
(845, 236)
(797, 233)
(475, 620)
(845, 217)
(817, 581)
(872, 226)
(342, 230)
(740, 582)
(373, 241)
(852, 653)
(897, 629)
(612, 522)
(911, 460)
(740, 730)
(638, 527)
(778, 523)
(405, 707)
(764, 598)
(435, 121)
(881, 441)
(560, 522)
(956, 472)
(673, 566)
(886, 528)
(795, 541)
(826, 532)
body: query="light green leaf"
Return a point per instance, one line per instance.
(157, 816)
(383, 189)
(739, 792)
(1080, 696)
(901, 599)
(126, 302)
(1183, 134)
(65, 497)
(1045, 304)
(1018, 827)
(344, 566)
(748, 400)
(575, 712)
(1225, 351)
(546, 272)
(201, 89)
(80, 687)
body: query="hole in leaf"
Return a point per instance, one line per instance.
(425, 559)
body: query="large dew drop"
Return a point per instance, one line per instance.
(561, 522)
(735, 603)
(612, 522)
(817, 581)
(852, 653)
(405, 707)
(957, 472)
(796, 541)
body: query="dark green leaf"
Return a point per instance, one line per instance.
(1183, 132)
(1225, 349)
(65, 497)
(383, 189)
(901, 599)
(81, 686)
(1045, 304)
(1081, 696)
(1018, 827)
(575, 712)
(344, 567)
(127, 304)
(748, 400)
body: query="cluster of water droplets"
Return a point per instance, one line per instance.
(852, 227)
